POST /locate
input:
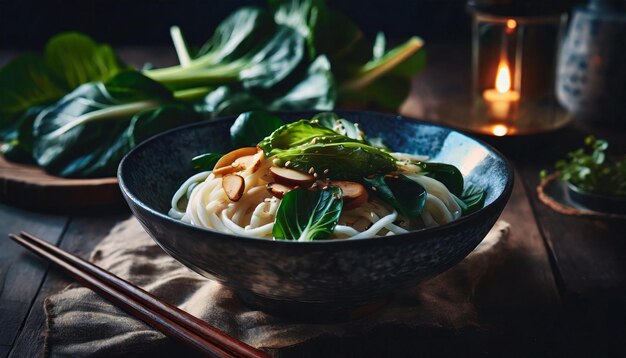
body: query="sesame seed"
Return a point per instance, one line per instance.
(314, 185)
(326, 171)
(374, 188)
(288, 163)
(311, 170)
(314, 175)
(325, 187)
(296, 187)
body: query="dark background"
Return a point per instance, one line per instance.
(27, 24)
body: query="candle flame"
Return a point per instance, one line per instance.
(499, 130)
(503, 77)
(511, 24)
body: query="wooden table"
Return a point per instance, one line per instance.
(564, 293)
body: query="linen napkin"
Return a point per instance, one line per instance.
(81, 323)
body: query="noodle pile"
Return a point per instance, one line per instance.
(201, 201)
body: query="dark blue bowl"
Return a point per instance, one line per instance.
(323, 278)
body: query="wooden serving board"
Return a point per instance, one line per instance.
(30, 187)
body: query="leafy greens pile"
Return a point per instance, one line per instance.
(593, 170)
(337, 148)
(78, 109)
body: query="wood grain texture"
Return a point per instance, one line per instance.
(589, 253)
(20, 274)
(82, 235)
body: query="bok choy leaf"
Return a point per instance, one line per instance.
(88, 131)
(471, 200)
(343, 160)
(251, 127)
(307, 215)
(405, 195)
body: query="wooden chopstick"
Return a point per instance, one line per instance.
(162, 316)
(171, 312)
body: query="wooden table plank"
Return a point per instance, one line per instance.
(590, 253)
(82, 235)
(20, 275)
(526, 278)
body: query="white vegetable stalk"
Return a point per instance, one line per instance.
(181, 48)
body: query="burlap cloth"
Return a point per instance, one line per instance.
(81, 323)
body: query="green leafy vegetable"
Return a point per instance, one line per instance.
(405, 195)
(74, 59)
(205, 161)
(295, 55)
(387, 63)
(251, 127)
(307, 215)
(447, 174)
(259, 67)
(295, 134)
(592, 169)
(228, 101)
(236, 36)
(314, 90)
(25, 82)
(88, 131)
(471, 200)
(148, 123)
(340, 125)
(70, 60)
(18, 146)
(343, 160)
(308, 144)
(357, 64)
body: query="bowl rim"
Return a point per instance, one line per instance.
(413, 235)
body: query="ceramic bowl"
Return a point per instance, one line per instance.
(597, 202)
(333, 278)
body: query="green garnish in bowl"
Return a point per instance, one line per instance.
(592, 170)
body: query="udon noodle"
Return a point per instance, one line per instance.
(201, 201)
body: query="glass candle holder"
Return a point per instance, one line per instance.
(513, 73)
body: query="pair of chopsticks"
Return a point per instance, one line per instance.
(162, 316)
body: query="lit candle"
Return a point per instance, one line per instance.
(500, 99)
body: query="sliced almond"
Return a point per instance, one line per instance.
(278, 190)
(226, 170)
(291, 177)
(229, 158)
(250, 162)
(233, 186)
(354, 194)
